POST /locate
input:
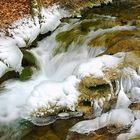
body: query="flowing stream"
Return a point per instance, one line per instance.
(74, 42)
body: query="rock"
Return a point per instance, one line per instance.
(125, 45)
(117, 41)
(110, 75)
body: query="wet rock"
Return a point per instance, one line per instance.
(132, 59)
(117, 41)
(79, 31)
(120, 8)
(125, 45)
(134, 106)
(105, 133)
(110, 74)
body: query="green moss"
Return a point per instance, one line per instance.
(8, 75)
(28, 62)
(28, 59)
(77, 33)
(26, 73)
(66, 38)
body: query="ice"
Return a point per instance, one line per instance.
(26, 30)
(135, 127)
(124, 136)
(134, 131)
(137, 114)
(130, 79)
(135, 94)
(122, 100)
(125, 119)
(13, 98)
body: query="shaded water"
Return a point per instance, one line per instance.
(73, 42)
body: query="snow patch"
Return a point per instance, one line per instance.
(94, 67)
(10, 55)
(50, 93)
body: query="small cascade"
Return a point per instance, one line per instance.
(82, 72)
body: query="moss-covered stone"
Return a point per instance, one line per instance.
(125, 45)
(110, 75)
(77, 33)
(92, 93)
(126, 9)
(109, 39)
(26, 73)
(117, 41)
(28, 59)
(9, 75)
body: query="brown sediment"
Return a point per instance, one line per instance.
(12, 10)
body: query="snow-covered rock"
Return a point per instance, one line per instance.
(10, 55)
(49, 97)
(125, 118)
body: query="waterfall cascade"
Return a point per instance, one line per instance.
(82, 71)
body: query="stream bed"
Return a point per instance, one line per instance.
(101, 36)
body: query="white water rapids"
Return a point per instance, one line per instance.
(56, 80)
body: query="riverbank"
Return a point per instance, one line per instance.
(12, 10)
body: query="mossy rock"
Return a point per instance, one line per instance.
(9, 75)
(28, 59)
(94, 92)
(117, 41)
(101, 94)
(126, 9)
(65, 39)
(78, 32)
(125, 45)
(111, 74)
(134, 106)
(132, 59)
(109, 39)
(26, 74)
